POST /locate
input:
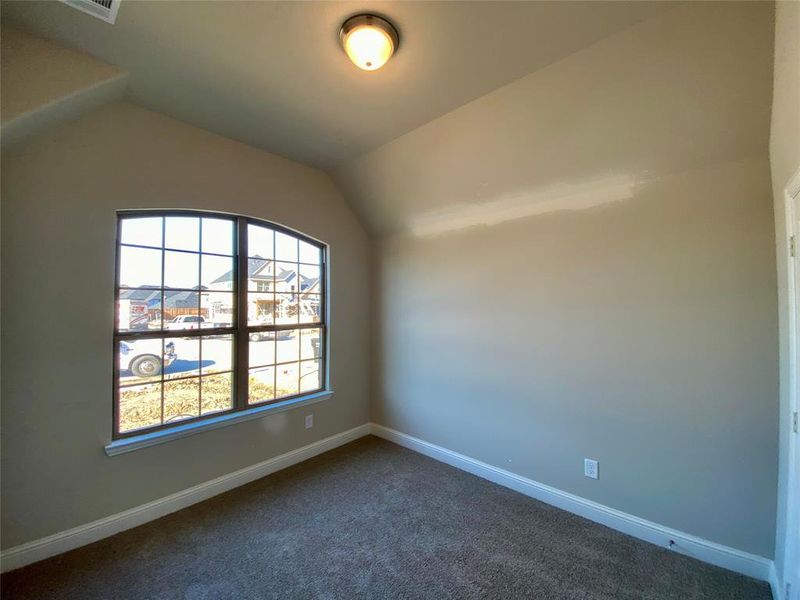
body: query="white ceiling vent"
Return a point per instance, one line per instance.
(102, 9)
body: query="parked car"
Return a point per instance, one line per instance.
(142, 357)
(184, 322)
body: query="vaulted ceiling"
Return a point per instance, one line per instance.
(271, 74)
(686, 89)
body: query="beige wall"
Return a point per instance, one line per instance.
(640, 333)
(581, 264)
(785, 161)
(44, 85)
(60, 192)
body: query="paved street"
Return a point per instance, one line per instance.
(217, 355)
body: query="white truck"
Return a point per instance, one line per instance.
(184, 322)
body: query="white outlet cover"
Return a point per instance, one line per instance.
(309, 421)
(591, 468)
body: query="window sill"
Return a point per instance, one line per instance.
(180, 431)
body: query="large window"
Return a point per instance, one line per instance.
(214, 314)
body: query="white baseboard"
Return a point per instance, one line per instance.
(25, 554)
(745, 563)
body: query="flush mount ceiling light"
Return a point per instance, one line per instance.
(369, 41)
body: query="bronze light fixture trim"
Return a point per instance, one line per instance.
(369, 40)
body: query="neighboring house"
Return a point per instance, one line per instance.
(268, 275)
(139, 308)
(278, 290)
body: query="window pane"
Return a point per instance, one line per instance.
(182, 233)
(310, 307)
(139, 407)
(287, 346)
(260, 275)
(217, 236)
(262, 348)
(309, 253)
(139, 310)
(181, 310)
(141, 231)
(310, 375)
(285, 309)
(187, 357)
(217, 352)
(139, 267)
(181, 399)
(217, 272)
(217, 309)
(142, 360)
(310, 343)
(259, 241)
(286, 380)
(181, 270)
(285, 247)
(310, 279)
(260, 308)
(217, 393)
(261, 385)
(286, 277)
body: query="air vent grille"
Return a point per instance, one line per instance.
(102, 9)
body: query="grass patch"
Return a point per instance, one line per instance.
(140, 405)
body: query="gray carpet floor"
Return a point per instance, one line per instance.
(374, 520)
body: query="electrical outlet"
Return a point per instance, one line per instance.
(309, 421)
(591, 468)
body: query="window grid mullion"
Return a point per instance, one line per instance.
(242, 354)
(163, 308)
(199, 314)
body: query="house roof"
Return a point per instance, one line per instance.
(172, 299)
(256, 268)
